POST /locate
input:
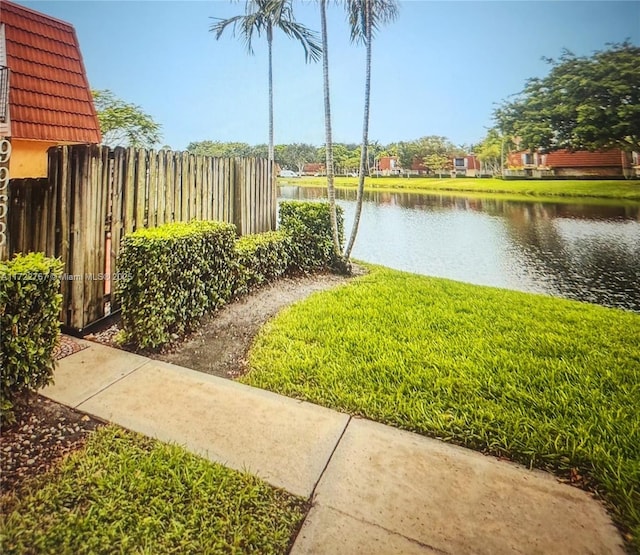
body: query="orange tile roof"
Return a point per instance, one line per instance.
(49, 94)
(584, 159)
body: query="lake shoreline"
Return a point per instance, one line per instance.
(540, 190)
(574, 248)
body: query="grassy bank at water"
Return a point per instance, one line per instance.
(629, 190)
(548, 382)
(128, 494)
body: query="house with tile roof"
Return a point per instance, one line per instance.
(47, 100)
(574, 164)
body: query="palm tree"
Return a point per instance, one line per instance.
(331, 191)
(265, 16)
(365, 17)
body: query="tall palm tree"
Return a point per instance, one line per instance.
(264, 17)
(365, 17)
(331, 191)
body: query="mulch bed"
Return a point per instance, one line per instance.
(43, 433)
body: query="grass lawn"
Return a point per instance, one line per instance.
(125, 493)
(548, 382)
(629, 190)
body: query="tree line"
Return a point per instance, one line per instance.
(346, 156)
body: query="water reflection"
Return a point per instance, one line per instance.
(583, 251)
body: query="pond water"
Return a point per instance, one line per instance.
(584, 250)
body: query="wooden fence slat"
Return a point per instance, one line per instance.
(207, 201)
(170, 185)
(77, 252)
(161, 178)
(129, 190)
(102, 184)
(63, 208)
(152, 218)
(53, 235)
(141, 189)
(117, 185)
(90, 237)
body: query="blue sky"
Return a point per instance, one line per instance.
(438, 70)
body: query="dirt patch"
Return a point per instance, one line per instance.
(222, 341)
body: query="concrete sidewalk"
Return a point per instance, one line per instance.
(375, 489)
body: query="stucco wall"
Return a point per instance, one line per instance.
(28, 158)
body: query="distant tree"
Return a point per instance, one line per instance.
(295, 155)
(407, 153)
(583, 103)
(417, 150)
(220, 149)
(492, 150)
(260, 151)
(265, 16)
(438, 163)
(123, 123)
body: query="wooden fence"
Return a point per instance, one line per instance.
(94, 195)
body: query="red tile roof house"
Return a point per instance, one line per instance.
(466, 166)
(577, 164)
(388, 165)
(49, 101)
(313, 168)
(462, 166)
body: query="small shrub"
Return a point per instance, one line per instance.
(173, 274)
(309, 226)
(261, 258)
(30, 304)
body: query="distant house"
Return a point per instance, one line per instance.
(466, 166)
(49, 101)
(388, 165)
(460, 166)
(578, 164)
(313, 169)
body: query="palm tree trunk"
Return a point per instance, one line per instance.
(270, 175)
(365, 133)
(328, 133)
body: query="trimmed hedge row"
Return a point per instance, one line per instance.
(173, 274)
(309, 226)
(261, 258)
(177, 272)
(30, 304)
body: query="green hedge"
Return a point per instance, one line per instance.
(262, 257)
(30, 304)
(173, 274)
(309, 226)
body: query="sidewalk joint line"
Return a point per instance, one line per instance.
(112, 383)
(335, 447)
(313, 491)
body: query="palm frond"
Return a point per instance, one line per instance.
(307, 38)
(376, 13)
(262, 16)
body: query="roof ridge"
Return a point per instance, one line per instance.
(50, 96)
(35, 13)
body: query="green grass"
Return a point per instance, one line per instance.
(128, 494)
(548, 382)
(629, 190)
